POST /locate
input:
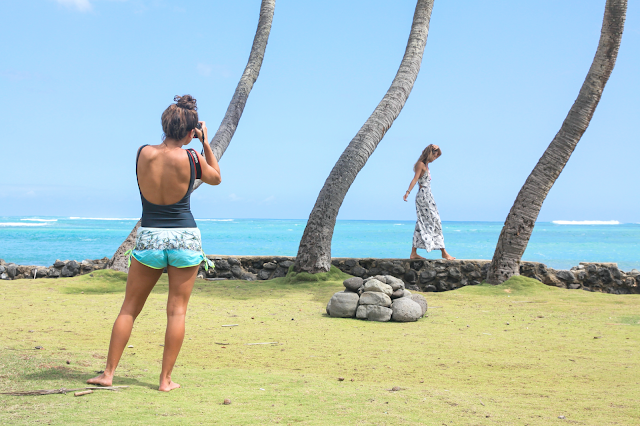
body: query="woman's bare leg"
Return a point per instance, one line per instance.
(180, 285)
(140, 282)
(446, 255)
(415, 255)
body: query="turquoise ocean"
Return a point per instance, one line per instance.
(561, 245)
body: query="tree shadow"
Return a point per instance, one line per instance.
(321, 288)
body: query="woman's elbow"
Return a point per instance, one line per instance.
(215, 180)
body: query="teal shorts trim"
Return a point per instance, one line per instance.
(160, 259)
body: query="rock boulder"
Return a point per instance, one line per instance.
(377, 287)
(375, 298)
(397, 294)
(405, 310)
(395, 283)
(352, 284)
(343, 305)
(420, 300)
(361, 312)
(378, 313)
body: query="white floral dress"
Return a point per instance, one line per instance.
(428, 232)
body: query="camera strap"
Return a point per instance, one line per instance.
(193, 157)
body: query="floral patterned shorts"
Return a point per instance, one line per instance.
(179, 247)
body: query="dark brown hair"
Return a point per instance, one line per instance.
(429, 154)
(180, 118)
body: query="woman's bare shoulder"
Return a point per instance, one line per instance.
(149, 151)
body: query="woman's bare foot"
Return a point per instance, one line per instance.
(168, 386)
(101, 380)
(446, 255)
(414, 254)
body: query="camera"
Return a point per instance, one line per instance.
(199, 134)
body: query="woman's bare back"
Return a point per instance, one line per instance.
(163, 174)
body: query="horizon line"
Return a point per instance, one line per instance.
(50, 219)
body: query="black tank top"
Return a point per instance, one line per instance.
(176, 215)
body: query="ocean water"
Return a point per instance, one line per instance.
(561, 244)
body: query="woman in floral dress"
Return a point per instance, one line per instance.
(428, 232)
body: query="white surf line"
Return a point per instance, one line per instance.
(586, 222)
(8, 224)
(101, 218)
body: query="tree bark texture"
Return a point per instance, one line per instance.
(314, 252)
(227, 129)
(519, 224)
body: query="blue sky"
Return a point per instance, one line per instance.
(84, 83)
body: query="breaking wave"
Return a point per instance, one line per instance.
(102, 218)
(41, 220)
(586, 222)
(21, 224)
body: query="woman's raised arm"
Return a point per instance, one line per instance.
(210, 168)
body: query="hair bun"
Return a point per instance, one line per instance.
(186, 102)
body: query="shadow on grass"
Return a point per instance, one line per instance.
(63, 373)
(98, 282)
(20, 370)
(60, 373)
(631, 320)
(320, 286)
(518, 285)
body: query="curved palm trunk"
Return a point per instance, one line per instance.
(522, 217)
(314, 252)
(227, 129)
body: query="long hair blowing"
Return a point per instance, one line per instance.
(429, 154)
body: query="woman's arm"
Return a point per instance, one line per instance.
(421, 169)
(210, 168)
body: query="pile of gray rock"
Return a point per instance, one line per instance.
(60, 268)
(379, 298)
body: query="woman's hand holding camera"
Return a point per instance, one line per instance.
(201, 132)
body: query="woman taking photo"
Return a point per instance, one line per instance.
(428, 232)
(168, 235)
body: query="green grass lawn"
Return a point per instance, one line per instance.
(517, 354)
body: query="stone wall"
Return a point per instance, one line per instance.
(437, 274)
(421, 275)
(61, 268)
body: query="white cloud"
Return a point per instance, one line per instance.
(204, 69)
(81, 5)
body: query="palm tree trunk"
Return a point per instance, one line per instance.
(314, 252)
(522, 217)
(227, 129)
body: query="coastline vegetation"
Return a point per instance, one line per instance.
(516, 353)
